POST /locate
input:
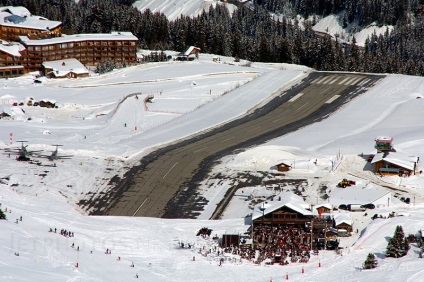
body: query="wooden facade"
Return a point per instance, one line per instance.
(88, 51)
(11, 71)
(323, 209)
(386, 168)
(283, 167)
(35, 40)
(345, 226)
(283, 215)
(12, 33)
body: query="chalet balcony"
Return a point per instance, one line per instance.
(298, 221)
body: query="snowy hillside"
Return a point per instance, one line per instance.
(332, 25)
(107, 124)
(173, 9)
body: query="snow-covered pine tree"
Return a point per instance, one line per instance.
(398, 245)
(370, 262)
(2, 215)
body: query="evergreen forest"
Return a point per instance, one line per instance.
(253, 34)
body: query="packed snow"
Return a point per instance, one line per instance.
(109, 122)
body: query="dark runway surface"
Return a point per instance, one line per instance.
(165, 183)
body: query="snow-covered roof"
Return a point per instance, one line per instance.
(384, 139)
(342, 217)
(288, 199)
(357, 195)
(7, 96)
(190, 49)
(16, 10)
(23, 20)
(12, 111)
(63, 67)
(11, 48)
(396, 158)
(78, 37)
(325, 205)
(284, 162)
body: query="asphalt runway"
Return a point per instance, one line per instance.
(165, 183)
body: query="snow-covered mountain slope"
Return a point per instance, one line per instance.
(173, 9)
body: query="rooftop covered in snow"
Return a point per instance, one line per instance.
(126, 36)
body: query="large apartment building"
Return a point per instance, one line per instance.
(27, 41)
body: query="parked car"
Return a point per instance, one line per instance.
(332, 244)
(343, 207)
(369, 206)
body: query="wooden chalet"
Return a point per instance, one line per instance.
(291, 209)
(394, 163)
(192, 50)
(323, 208)
(331, 233)
(18, 21)
(68, 68)
(343, 221)
(283, 166)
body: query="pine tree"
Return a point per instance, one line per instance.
(2, 215)
(370, 262)
(398, 245)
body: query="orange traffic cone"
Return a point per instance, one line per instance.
(319, 263)
(287, 276)
(303, 270)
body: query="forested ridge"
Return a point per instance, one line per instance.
(253, 35)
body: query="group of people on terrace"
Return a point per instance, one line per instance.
(281, 242)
